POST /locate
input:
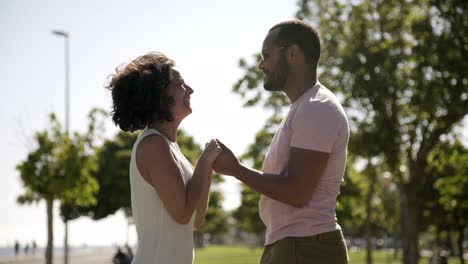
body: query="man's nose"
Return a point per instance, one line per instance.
(260, 65)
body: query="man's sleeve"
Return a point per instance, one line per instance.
(315, 126)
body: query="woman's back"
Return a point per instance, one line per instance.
(160, 239)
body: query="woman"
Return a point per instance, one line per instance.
(169, 196)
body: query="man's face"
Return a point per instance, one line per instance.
(274, 65)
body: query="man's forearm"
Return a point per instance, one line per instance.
(275, 186)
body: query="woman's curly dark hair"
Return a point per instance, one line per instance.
(139, 92)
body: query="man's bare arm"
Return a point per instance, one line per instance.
(296, 187)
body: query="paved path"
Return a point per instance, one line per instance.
(101, 256)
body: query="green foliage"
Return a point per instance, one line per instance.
(216, 219)
(445, 193)
(257, 150)
(397, 75)
(188, 146)
(70, 209)
(58, 168)
(113, 159)
(400, 68)
(350, 210)
(450, 161)
(246, 214)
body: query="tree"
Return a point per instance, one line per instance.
(445, 198)
(57, 169)
(90, 139)
(84, 161)
(113, 159)
(407, 73)
(398, 65)
(363, 145)
(215, 224)
(350, 211)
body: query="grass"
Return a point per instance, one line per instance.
(246, 255)
(228, 255)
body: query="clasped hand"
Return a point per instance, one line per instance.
(226, 163)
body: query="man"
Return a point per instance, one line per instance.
(305, 163)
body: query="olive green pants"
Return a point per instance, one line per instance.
(325, 248)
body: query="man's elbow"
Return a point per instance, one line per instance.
(300, 199)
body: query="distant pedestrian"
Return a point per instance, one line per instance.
(439, 257)
(26, 249)
(34, 246)
(17, 248)
(129, 253)
(120, 257)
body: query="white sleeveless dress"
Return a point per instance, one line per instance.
(161, 239)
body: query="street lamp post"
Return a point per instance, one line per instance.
(67, 82)
(67, 116)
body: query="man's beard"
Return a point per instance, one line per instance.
(278, 77)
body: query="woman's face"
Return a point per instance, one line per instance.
(181, 92)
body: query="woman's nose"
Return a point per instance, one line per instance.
(189, 89)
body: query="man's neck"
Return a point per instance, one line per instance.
(298, 85)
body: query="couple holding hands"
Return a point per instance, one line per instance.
(301, 174)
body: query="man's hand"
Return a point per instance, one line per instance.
(226, 163)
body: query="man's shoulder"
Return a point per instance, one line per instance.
(322, 108)
(322, 103)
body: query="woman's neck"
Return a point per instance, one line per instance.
(168, 129)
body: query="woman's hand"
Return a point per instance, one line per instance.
(226, 163)
(211, 152)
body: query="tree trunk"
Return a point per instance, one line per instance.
(50, 231)
(370, 194)
(65, 246)
(450, 245)
(410, 222)
(397, 246)
(460, 244)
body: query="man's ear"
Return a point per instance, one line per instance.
(294, 54)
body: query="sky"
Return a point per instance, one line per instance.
(206, 38)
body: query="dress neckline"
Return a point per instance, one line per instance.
(157, 131)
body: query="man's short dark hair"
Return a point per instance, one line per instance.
(302, 34)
